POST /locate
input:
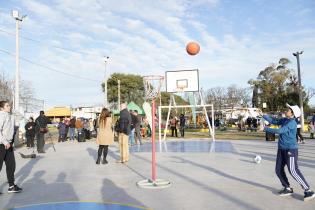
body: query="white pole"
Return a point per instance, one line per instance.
(118, 94)
(167, 119)
(206, 114)
(160, 127)
(105, 83)
(17, 68)
(213, 128)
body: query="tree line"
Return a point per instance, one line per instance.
(27, 93)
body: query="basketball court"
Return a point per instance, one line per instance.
(225, 179)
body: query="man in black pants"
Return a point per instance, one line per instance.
(182, 123)
(137, 126)
(41, 128)
(6, 145)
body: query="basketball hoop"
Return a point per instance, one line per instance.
(180, 88)
(152, 85)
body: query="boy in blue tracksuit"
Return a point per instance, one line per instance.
(288, 151)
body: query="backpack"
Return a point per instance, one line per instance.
(116, 126)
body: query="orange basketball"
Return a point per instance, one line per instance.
(192, 48)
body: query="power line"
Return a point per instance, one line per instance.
(50, 68)
(41, 42)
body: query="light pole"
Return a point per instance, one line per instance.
(297, 55)
(118, 93)
(18, 19)
(105, 82)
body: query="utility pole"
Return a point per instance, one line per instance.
(297, 55)
(18, 19)
(118, 95)
(105, 83)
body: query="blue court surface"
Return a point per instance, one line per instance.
(186, 146)
(78, 206)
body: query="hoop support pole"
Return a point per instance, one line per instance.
(153, 142)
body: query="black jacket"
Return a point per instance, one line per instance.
(134, 121)
(124, 122)
(30, 132)
(182, 121)
(41, 122)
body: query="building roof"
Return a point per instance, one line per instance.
(58, 112)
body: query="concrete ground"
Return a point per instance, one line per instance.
(226, 179)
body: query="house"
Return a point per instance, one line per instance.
(86, 111)
(57, 113)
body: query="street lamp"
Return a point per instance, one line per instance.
(18, 19)
(118, 87)
(297, 55)
(105, 82)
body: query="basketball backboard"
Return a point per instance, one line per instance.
(182, 81)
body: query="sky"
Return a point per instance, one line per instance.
(238, 39)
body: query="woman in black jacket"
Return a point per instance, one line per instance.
(30, 132)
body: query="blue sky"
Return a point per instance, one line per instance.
(237, 38)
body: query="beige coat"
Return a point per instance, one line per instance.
(105, 135)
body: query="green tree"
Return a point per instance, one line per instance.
(276, 85)
(131, 88)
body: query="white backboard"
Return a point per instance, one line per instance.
(182, 81)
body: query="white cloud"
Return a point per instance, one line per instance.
(144, 37)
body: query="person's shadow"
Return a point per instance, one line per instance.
(113, 194)
(92, 152)
(36, 190)
(24, 172)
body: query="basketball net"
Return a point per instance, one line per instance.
(152, 85)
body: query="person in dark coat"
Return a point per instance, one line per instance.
(249, 123)
(124, 131)
(182, 124)
(40, 130)
(137, 127)
(255, 124)
(30, 132)
(72, 128)
(62, 130)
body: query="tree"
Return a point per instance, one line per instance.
(237, 96)
(310, 93)
(232, 96)
(131, 88)
(27, 97)
(27, 100)
(216, 96)
(276, 85)
(5, 88)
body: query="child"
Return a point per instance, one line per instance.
(288, 151)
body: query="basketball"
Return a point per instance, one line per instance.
(192, 48)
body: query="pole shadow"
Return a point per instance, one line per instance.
(112, 193)
(227, 197)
